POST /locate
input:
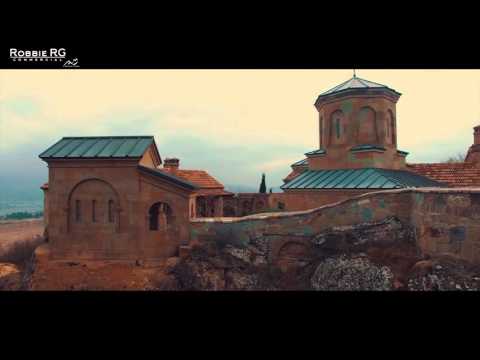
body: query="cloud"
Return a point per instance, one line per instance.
(234, 123)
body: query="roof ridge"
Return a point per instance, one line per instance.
(109, 137)
(167, 175)
(390, 176)
(373, 82)
(333, 89)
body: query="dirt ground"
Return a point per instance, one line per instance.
(14, 230)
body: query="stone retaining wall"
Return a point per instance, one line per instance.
(443, 221)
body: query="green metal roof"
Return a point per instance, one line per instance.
(316, 152)
(300, 163)
(98, 147)
(366, 178)
(356, 83)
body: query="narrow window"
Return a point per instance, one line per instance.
(281, 206)
(392, 125)
(337, 127)
(387, 133)
(321, 132)
(110, 211)
(94, 203)
(77, 211)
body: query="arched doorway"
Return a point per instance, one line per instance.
(160, 217)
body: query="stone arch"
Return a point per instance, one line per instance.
(291, 254)
(160, 216)
(294, 250)
(228, 211)
(246, 207)
(259, 205)
(338, 127)
(367, 126)
(90, 204)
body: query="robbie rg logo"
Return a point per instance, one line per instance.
(50, 55)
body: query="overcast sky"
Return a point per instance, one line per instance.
(235, 124)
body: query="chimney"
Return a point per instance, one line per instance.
(476, 135)
(171, 164)
(473, 155)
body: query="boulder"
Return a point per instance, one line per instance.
(348, 273)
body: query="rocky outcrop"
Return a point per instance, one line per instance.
(374, 256)
(444, 273)
(346, 273)
(371, 256)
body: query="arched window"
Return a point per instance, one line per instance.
(110, 211)
(321, 132)
(367, 130)
(391, 127)
(89, 207)
(78, 215)
(246, 208)
(94, 203)
(228, 211)
(160, 216)
(337, 124)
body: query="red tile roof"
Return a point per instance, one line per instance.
(452, 174)
(198, 177)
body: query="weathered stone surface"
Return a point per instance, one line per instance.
(444, 273)
(346, 273)
(10, 277)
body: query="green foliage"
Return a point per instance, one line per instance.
(458, 158)
(22, 215)
(263, 186)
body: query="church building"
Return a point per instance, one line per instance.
(115, 198)
(357, 150)
(109, 197)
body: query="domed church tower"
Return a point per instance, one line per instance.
(357, 145)
(357, 127)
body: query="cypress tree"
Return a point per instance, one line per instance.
(263, 187)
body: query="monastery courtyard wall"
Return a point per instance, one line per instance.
(441, 221)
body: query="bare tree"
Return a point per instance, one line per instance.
(458, 158)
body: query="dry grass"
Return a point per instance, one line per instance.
(18, 240)
(20, 252)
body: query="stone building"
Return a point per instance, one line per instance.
(357, 150)
(114, 197)
(108, 197)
